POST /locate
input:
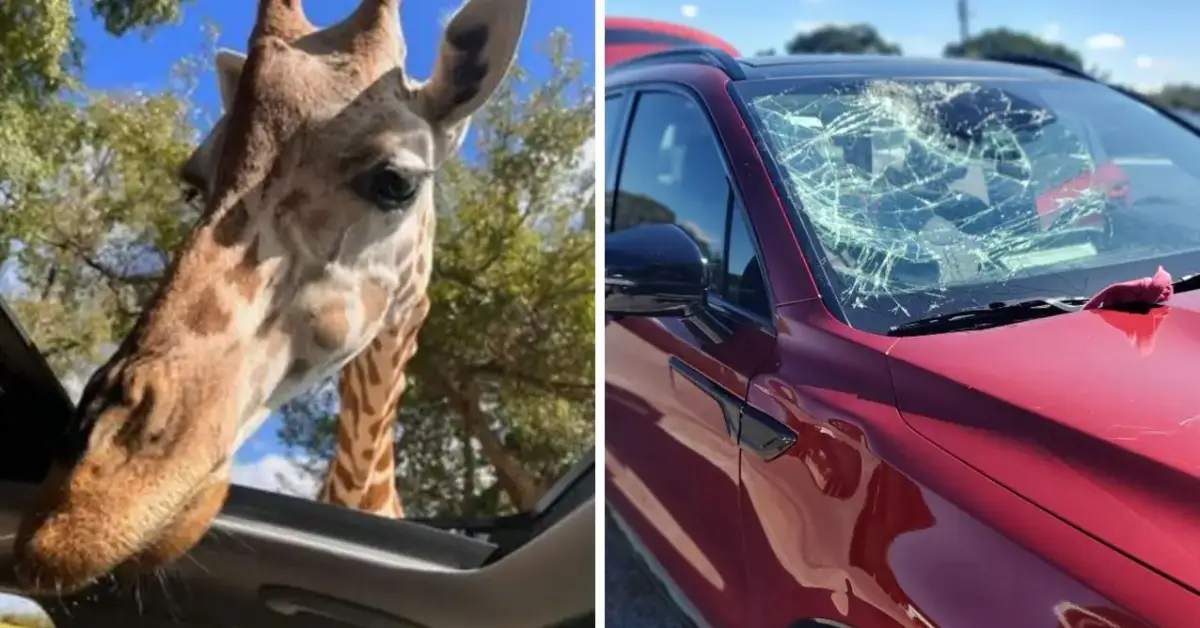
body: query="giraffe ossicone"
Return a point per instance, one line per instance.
(316, 237)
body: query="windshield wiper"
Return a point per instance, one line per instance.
(1186, 282)
(992, 315)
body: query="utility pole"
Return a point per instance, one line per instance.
(964, 17)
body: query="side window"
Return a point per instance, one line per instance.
(672, 173)
(614, 116)
(745, 283)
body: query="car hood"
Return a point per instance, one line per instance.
(1093, 415)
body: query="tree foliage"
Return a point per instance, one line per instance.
(506, 359)
(39, 51)
(834, 39)
(1003, 41)
(1179, 96)
(90, 208)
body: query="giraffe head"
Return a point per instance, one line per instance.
(316, 232)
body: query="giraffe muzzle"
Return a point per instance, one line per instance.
(137, 485)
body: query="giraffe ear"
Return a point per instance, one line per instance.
(229, 72)
(477, 50)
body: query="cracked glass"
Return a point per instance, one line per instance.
(929, 195)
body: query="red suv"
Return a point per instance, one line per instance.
(849, 381)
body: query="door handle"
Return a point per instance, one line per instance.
(763, 435)
(750, 428)
(731, 405)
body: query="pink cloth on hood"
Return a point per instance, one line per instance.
(1147, 290)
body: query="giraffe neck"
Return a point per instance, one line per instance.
(362, 474)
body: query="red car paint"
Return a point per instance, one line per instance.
(627, 37)
(1037, 475)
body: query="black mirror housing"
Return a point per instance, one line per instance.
(654, 270)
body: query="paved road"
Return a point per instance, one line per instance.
(632, 597)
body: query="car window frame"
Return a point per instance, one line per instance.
(615, 157)
(736, 202)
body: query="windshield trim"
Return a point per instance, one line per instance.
(818, 263)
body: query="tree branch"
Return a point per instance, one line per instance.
(522, 488)
(569, 390)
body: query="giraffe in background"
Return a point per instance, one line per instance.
(362, 473)
(314, 242)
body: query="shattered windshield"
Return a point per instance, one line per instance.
(936, 195)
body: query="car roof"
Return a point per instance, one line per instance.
(799, 66)
(802, 65)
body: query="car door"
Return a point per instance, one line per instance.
(674, 389)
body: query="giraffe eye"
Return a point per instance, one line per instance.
(389, 188)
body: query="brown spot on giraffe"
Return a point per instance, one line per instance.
(298, 368)
(209, 315)
(385, 462)
(142, 468)
(379, 494)
(344, 475)
(295, 200)
(244, 276)
(232, 224)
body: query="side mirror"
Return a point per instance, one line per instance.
(654, 270)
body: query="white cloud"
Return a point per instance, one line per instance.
(278, 474)
(1052, 32)
(1105, 41)
(1144, 61)
(690, 11)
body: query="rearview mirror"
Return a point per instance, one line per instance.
(653, 270)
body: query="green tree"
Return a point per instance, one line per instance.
(852, 39)
(1179, 96)
(1002, 41)
(39, 50)
(49, 119)
(90, 209)
(506, 360)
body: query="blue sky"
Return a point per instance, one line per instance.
(134, 62)
(1144, 44)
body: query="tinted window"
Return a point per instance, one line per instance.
(614, 116)
(745, 285)
(672, 173)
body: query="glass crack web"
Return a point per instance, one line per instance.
(914, 187)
